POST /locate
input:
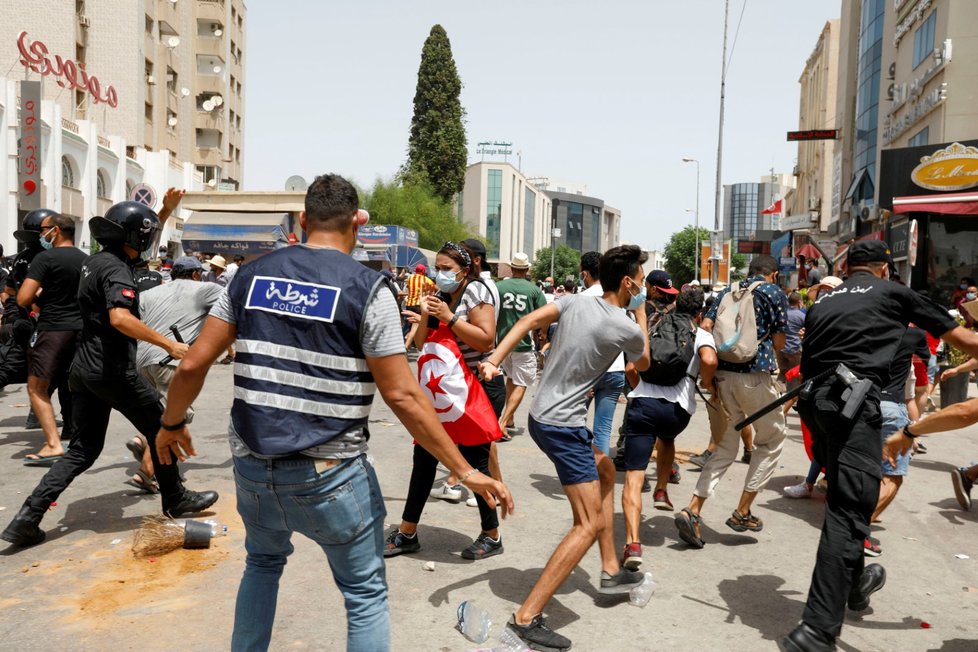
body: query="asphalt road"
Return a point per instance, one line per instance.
(83, 590)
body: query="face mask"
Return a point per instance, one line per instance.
(45, 243)
(963, 286)
(637, 299)
(970, 296)
(446, 281)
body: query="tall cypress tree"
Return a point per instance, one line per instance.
(437, 149)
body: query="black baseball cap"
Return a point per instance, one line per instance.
(477, 248)
(869, 251)
(661, 280)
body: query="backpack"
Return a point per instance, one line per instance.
(672, 344)
(735, 326)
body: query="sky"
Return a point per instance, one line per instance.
(611, 94)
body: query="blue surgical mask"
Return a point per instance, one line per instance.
(637, 299)
(963, 286)
(45, 243)
(970, 296)
(446, 281)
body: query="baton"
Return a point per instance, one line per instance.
(784, 398)
(178, 338)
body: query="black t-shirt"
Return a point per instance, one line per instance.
(106, 282)
(18, 272)
(58, 271)
(914, 341)
(861, 324)
(146, 279)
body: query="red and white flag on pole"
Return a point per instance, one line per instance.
(459, 400)
(773, 209)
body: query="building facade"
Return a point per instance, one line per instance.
(744, 204)
(514, 213)
(817, 110)
(164, 75)
(83, 171)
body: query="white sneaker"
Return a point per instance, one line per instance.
(801, 490)
(471, 502)
(447, 492)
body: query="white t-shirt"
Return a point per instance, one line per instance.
(596, 291)
(683, 392)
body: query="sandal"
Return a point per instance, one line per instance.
(744, 523)
(137, 446)
(145, 482)
(688, 525)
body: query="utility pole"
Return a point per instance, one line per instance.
(696, 255)
(715, 267)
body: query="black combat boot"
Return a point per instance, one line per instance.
(24, 530)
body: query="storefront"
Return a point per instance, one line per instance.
(934, 223)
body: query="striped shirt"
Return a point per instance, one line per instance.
(418, 285)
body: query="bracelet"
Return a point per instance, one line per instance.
(906, 431)
(451, 322)
(467, 476)
(175, 426)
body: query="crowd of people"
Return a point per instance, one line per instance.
(314, 335)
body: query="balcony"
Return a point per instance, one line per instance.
(72, 202)
(212, 46)
(211, 10)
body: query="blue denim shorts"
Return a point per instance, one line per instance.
(646, 420)
(894, 417)
(569, 448)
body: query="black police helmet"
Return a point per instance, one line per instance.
(31, 231)
(127, 223)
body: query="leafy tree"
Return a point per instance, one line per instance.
(681, 252)
(437, 149)
(415, 206)
(567, 262)
(738, 262)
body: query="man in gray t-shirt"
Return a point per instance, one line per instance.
(593, 332)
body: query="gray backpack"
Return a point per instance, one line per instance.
(735, 327)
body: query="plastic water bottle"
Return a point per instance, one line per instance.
(640, 595)
(510, 642)
(473, 622)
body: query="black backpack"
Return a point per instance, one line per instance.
(672, 343)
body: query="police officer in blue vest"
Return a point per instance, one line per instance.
(316, 334)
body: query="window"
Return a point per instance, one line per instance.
(101, 185)
(171, 79)
(67, 173)
(575, 225)
(529, 222)
(595, 229)
(494, 209)
(919, 138)
(149, 26)
(148, 111)
(923, 39)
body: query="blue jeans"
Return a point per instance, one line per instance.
(341, 509)
(894, 418)
(606, 393)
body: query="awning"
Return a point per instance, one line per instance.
(857, 181)
(405, 256)
(244, 233)
(958, 203)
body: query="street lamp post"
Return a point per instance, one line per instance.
(696, 265)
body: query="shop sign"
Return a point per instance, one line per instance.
(29, 147)
(896, 128)
(900, 241)
(912, 247)
(71, 75)
(795, 222)
(493, 148)
(906, 18)
(953, 168)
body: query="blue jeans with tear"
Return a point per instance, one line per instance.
(342, 509)
(606, 393)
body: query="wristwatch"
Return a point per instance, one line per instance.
(451, 322)
(173, 427)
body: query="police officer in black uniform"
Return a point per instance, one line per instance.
(103, 374)
(860, 325)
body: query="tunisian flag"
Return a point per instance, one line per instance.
(773, 209)
(459, 400)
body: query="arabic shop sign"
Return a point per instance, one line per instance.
(29, 147)
(34, 56)
(953, 168)
(494, 148)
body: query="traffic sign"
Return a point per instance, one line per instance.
(144, 194)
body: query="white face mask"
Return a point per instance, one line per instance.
(447, 281)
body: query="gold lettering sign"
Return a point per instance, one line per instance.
(953, 168)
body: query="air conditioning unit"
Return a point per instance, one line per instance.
(814, 203)
(84, 21)
(891, 74)
(891, 92)
(150, 79)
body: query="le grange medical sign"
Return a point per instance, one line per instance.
(34, 56)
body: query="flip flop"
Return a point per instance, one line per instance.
(141, 480)
(41, 460)
(137, 446)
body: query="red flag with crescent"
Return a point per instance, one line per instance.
(459, 400)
